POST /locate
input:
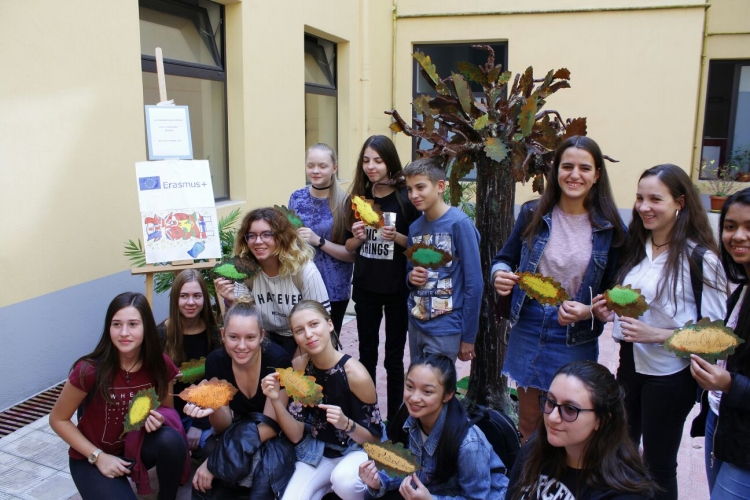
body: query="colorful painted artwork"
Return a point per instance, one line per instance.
(178, 215)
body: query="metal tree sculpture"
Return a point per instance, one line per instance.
(508, 139)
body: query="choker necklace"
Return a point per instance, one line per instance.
(321, 189)
(659, 246)
(127, 372)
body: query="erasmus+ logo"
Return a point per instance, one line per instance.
(146, 183)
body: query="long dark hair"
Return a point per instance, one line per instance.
(599, 199)
(361, 185)
(174, 347)
(105, 358)
(692, 224)
(610, 459)
(456, 420)
(737, 273)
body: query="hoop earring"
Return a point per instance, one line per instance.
(677, 214)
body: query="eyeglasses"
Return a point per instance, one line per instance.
(265, 237)
(568, 412)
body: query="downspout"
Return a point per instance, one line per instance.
(365, 69)
(698, 146)
(393, 54)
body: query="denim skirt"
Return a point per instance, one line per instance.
(537, 347)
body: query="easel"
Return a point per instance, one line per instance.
(177, 266)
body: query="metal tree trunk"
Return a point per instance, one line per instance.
(495, 196)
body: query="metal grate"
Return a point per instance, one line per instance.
(29, 411)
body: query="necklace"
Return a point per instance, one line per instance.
(659, 246)
(320, 189)
(127, 372)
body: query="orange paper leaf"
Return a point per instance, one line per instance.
(212, 393)
(543, 289)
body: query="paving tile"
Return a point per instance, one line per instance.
(33, 443)
(55, 487)
(21, 475)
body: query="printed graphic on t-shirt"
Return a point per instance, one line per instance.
(115, 412)
(376, 247)
(435, 297)
(552, 489)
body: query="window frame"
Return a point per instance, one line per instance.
(326, 90)
(198, 71)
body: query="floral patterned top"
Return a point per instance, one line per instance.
(336, 392)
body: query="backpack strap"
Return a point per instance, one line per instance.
(696, 278)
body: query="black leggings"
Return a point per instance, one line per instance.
(163, 448)
(657, 407)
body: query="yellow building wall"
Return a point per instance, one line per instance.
(634, 72)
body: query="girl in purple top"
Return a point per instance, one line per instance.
(322, 207)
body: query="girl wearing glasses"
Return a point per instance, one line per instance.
(669, 221)
(581, 449)
(728, 381)
(455, 459)
(322, 206)
(287, 273)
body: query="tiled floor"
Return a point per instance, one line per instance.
(34, 463)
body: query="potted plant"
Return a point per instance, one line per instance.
(721, 182)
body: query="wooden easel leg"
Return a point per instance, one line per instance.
(150, 289)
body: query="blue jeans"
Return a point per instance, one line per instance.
(732, 483)
(712, 470)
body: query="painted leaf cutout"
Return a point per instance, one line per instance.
(543, 289)
(431, 257)
(139, 409)
(427, 66)
(708, 339)
(193, 370)
(392, 457)
(368, 212)
(495, 149)
(471, 72)
(237, 269)
(291, 216)
(626, 301)
(302, 388)
(481, 122)
(465, 96)
(212, 393)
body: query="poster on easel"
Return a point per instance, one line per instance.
(178, 214)
(168, 132)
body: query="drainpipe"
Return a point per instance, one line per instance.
(365, 69)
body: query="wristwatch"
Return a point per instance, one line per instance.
(94, 455)
(321, 242)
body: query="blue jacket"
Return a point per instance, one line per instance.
(516, 256)
(479, 474)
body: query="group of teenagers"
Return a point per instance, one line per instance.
(581, 426)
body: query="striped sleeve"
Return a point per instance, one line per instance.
(313, 286)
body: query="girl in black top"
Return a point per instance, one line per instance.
(581, 450)
(379, 282)
(190, 333)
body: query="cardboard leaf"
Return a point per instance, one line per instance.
(465, 97)
(562, 74)
(368, 212)
(543, 289)
(481, 122)
(396, 460)
(526, 83)
(302, 388)
(427, 66)
(237, 269)
(291, 216)
(431, 257)
(576, 126)
(538, 185)
(708, 339)
(626, 301)
(527, 117)
(422, 105)
(396, 127)
(193, 370)
(212, 393)
(471, 72)
(495, 149)
(139, 409)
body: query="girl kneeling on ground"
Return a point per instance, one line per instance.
(454, 457)
(127, 359)
(327, 436)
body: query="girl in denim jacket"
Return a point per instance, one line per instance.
(573, 234)
(455, 459)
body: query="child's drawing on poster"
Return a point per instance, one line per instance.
(178, 215)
